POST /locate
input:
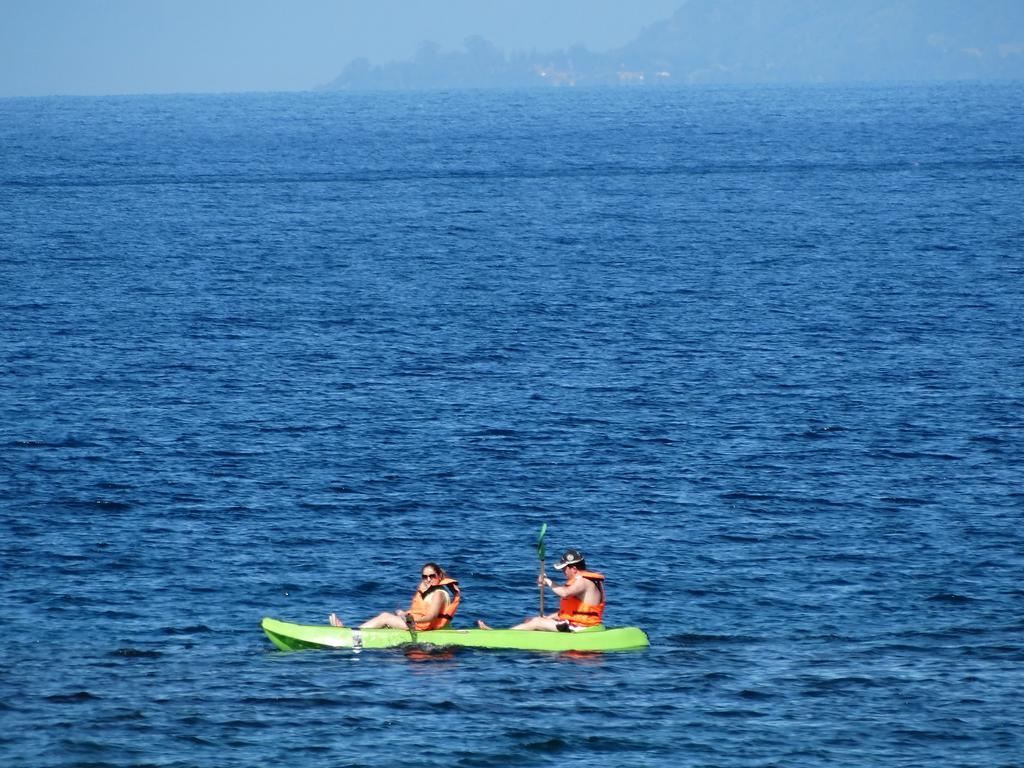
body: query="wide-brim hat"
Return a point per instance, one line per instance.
(571, 557)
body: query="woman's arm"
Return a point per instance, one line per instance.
(436, 602)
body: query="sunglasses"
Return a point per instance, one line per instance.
(426, 576)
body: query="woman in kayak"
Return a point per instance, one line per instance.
(582, 598)
(433, 604)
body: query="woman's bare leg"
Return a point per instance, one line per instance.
(382, 620)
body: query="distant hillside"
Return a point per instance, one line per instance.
(747, 41)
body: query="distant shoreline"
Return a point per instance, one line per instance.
(741, 42)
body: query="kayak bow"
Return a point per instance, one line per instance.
(294, 637)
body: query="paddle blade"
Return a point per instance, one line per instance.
(540, 542)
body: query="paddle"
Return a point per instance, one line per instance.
(540, 556)
(410, 623)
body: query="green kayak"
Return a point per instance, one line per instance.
(293, 637)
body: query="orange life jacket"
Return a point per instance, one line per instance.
(583, 614)
(419, 604)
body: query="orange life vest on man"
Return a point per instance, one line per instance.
(419, 604)
(579, 613)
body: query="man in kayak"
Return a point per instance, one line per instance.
(433, 604)
(582, 598)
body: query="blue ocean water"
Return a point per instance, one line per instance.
(758, 352)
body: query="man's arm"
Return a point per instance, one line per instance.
(577, 588)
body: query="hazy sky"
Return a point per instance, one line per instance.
(161, 46)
